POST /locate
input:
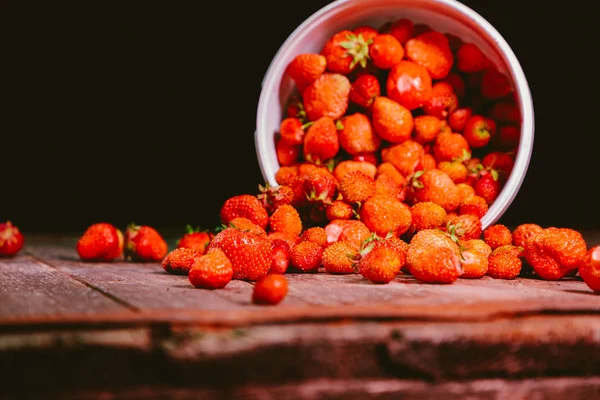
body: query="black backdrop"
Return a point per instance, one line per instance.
(145, 111)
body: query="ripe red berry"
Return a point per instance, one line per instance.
(271, 289)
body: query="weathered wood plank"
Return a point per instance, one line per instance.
(31, 288)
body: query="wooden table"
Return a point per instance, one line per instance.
(70, 329)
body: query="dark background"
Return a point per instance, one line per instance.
(145, 111)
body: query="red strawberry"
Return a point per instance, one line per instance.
(321, 186)
(456, 170)
(370, 157)
(244, 224)
(357, 135)
(281, 256)
(459, 117)
(495, 84)
(367, 32)
(497, 235)
(474, 205)
(195, 239)
(244, 205)
(345, 167)
(501, 162)
(272, 197)
(524, 232)
(339, 258)
(315, 234)
(458, 84)
(286, 219)
(306, 68)
(474, 258)
(409, 84)
(328, 96)
(505, 112)
(339, 209)
(436, 186)
(357, 187)
(469, 58)
(334, 228)
(427, 215)
(212, 270)
(508, 137)
(287, 154)
(443, 101)
(101, 242)
(405, 157)
(433, 257)
(269, 290)
(465, 227)
(365, 90)
(385, 214)
(306, 256)
(426, 128)
(432, 51)
(479, 131)
(589, 268)
(321, 142)
(344, 51)
(11, 239)
(144, 243)
(286, 174)
(250, 254)
(179, 261)
(291, 131)
(504, 262)
(354, 234)
(392, 121)
(488, 186)
(386, 51)
(451, 146)
(380, 263)
(402, 29)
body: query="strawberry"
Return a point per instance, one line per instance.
(364, 90)
(426, 128)
(291, 131)
(357, 134)
(286, 174)
(458, 84)
(289, 239)
(244, 205)
(304, 69)
(433, 257)
(357, 187)
(384, 214)
(379, 263)
(179, 261)
(387, 168)
(589, 268)
(321, 141)
(497, 235)
(11, 239)
(524, 232)
(432, 51)
(474, 258)
(295, 108)
(465, 227)
(315, 234)
(272, 197)
(321, 186)
(402, 29)
(367, 32)
(339, 209)
(281, 256)
(456, 170)
(505, 111)
(508, 137)
(212, 270)
(100, 242)
(470, 58)
(459, 117)
(250, 254)
(465, 191)
(404, 156)
(287, 154)
(392, 121)
(339, 258)
(451, 146)
(436, 186)
(144, 243)
(479, 130)
(195, 239)
(504, 262)
(385, 184)
(428, 161)
(555, 252)
(443, 101)
(385, 51)
(246, 225)
(495, 84)
(328, 96)
(487, 186)
(345, 167)
(270, 290)
(344, 51)
(409, 84)
(286, 219)
(501, 162)
(354, 234)
(474, 205)
(370, 157)
(306, 256)
(334, 228)
(427, 215)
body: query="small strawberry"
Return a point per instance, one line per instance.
(291, 131)
(392, 121)
(244, 205)
(479, 130)
(144, 243)
(589, 268)
(270, 290)
(427, 215)
(100, 242)
(436, 186)
(357, 187)
(456, 170)
(287, 154)
(385, 184)
(286, 174)
(508, 137)
(405, 156)
(524, 232)
(426, 128)
(321, 186)
(428, 161)
(474, 258)
(306, 256)
(179, 261)
(289, 239)
(555, 252)
(451, 146)
(354, 234)
(339, 258)
(459, 117)
(212, 270)
(315, 234)
(339, 209)
(474, 205)
(504, 262)
(286, 219)
(328, 96)
(409, 84)
(334, 228)
(465, 227)
(244, 224)
(195, 239)
(443, 101)
(387, 168)
(402, 29)
(384, 214)
(488, 186)
(305, 68)
(465, 191)
(368, 32)
(344, 51)
(432, 51)
(364, 90)
(497, 235)
(295, 108)
(385, 51)
(495, 84)
(500, 162)
(345, 167)
(281, 256)
(250, 254)
(11, 239)
(433, 257)
(370, 157)
(379, 262)
(470, 58)
(321, 141)
(272, 197)
(357, 135)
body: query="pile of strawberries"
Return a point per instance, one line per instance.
(393, 147)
